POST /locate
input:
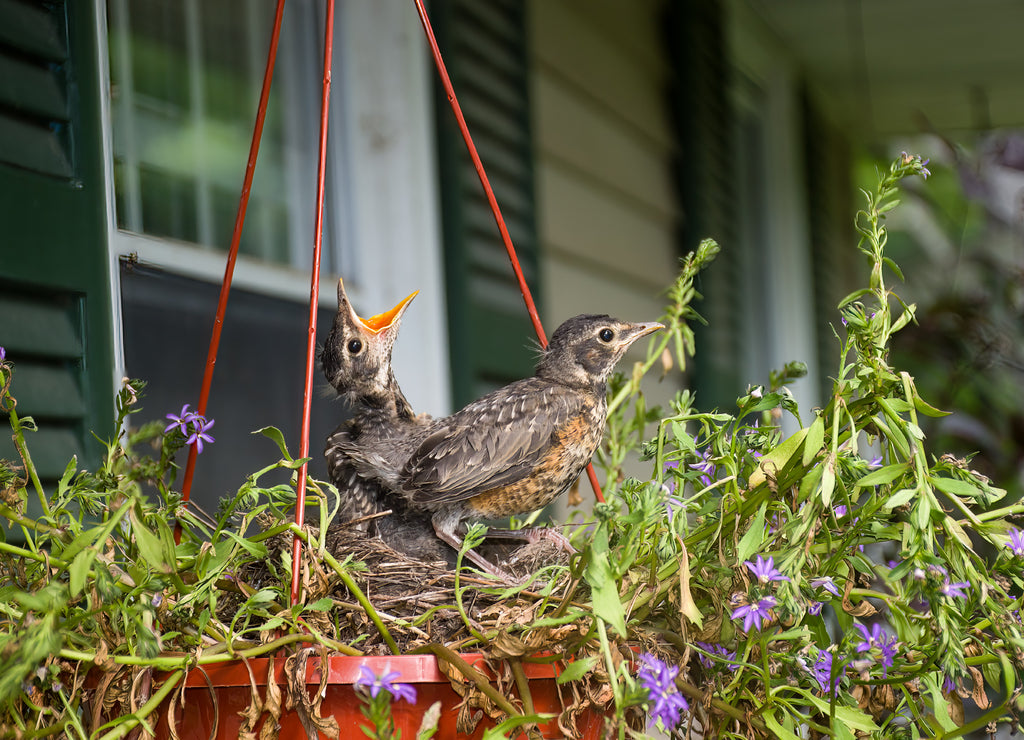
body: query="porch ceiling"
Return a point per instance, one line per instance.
(904, 66)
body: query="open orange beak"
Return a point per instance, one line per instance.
(375, 324)
(386, 320)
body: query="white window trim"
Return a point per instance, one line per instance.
(389, 200)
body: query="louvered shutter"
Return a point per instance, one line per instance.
(837, 268)
(706, 125)
(55, 316)
(484, 46)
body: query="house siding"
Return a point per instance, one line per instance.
(608, 212)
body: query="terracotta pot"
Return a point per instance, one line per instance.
(231, 685)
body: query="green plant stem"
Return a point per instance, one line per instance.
(485, 686)
(523, 684)
(606, 651)
(26, 457)
(23, 521)
(978, 723)
(354, 589)
(34, 556)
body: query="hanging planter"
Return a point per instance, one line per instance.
(221, 700)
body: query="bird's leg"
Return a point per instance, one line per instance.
(535, 534)
(445, 525)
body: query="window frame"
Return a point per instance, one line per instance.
(391, 217)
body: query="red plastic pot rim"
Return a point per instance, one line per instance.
(345, 669)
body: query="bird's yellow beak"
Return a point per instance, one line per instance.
(386, 320)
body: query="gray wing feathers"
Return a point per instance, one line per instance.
(488, 444)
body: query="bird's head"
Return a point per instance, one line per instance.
(356, 357)
(583, 350)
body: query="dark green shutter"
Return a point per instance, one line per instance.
(55, 314)
(705, 169)
(837, 267)
(484, 46)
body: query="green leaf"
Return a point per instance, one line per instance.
(778, 458)
(263, 596)
(577, 669)
(900, 497)
(570, 616)
(955, 530)
(150, 547)
(65, 479)
(753, 537)
(815, 438)
(810, 481)
(927, 409)
(888, 262)
(506, 727)
(828, 481)
(923, 512)
(852, 717)
(604, 591)
(274, 434)
(320, 605)
(956, 487)
(855, 719)
(78, 572)
(898, 405)
(882, 476)
(854, 296)
(939, 703)
(777, 729)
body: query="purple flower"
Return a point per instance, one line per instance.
(373, 683)
(839, 511)
(875, 462)
(765, 570)
(888, 648)
(182, 420)
(814, 608)
(753, 613)
(669, 486)
(822, 672)
(871, 639)
(200, 429)
(1016, 543)
(878, 638)
(948, 686)
(826, 583)
(954, 590)
(729, 658)
(706, 467)
(673, 505)
(3, 354)
(659, 679)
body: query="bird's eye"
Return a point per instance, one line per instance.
(606, 335)
(355, 346)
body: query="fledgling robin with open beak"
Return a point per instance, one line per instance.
(516, 449)
(356, 360)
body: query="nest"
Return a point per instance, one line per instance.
(418, 601)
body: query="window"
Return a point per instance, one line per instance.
(184, 79)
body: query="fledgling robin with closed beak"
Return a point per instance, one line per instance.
(356, 360)
(515, 450)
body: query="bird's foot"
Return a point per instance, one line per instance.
(488, 567)
(535, 534)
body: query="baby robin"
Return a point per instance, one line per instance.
(516, 449)
(356, 360)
